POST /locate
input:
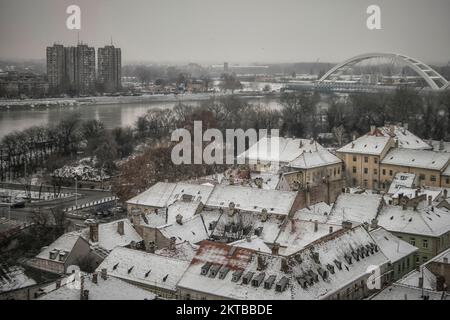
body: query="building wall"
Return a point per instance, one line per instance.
(313, 176)
(428, 246)
(362, 170)
(402, 267)
(110, 68)
(431, 178)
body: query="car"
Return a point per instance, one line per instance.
(90, 221)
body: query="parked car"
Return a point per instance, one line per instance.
(90, 221)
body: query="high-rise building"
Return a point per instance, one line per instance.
(55, 66)
(85, 68)
(109, 68)
(71, 68)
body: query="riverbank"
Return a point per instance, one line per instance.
(147, 98)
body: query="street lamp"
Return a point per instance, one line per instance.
(76, 195)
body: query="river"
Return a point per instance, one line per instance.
(112, 115)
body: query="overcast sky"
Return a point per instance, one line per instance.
(230, 30)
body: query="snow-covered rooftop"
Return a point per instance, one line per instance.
(402, 179)
(314, 159)
(109, 237)
(192, 230)
(144, 268)
(183, 251)
(297, 234)
(64, 243)
(394, 248)
(303, 265)
(417, 159)
(367, 144)
(109, 289)
(252, 199)
(254, 243)
(163, 194)
(288, 149)
(318, 211)
(398, 291)
(406, 139)
(357, 208)
(440, 146)
(13, 277)
(427, 221)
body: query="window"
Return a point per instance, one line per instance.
(412, 241)
(354, 169)
(366, 159)
(375, 183)
(339, 170)
(365, 183)
(375, 171)
(366, 170)
(375, 160)
(447, 180)
(433, 178)
(407, 263)
(424, 259)
(425, 243)
(384, 172)
(422, 176)
(391, 173)
(354, 158)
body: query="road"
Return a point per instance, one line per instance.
(23, 214)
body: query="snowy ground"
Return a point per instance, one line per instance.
(84, 170)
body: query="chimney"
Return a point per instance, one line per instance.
(445, 260)
(172, 244)
(93, 232)
(417, 193)
(136, 217)
(406, 126)
(430, 200)
(392, 129)
(179, 219)
(420, 282)
(316, 226)
(347, 225)
(441, 145)
(248, 238)
(151, 247)
(261, 263)
(284, 265)
(82, 287)
(85, 295)
(231, 209)
(374, 223)
(307, 195)
(58, 283)
(331, 229)
(445, 193)
(95, 278)
(353, 139)
(275, 248)
(104, 273)
(120, 228)
(372, 129)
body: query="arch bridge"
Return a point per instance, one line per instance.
(432, 78)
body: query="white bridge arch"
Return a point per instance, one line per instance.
(434, 80)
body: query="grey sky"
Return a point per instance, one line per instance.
(231, 30)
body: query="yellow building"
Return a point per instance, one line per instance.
(362, 158)
(429, 166)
